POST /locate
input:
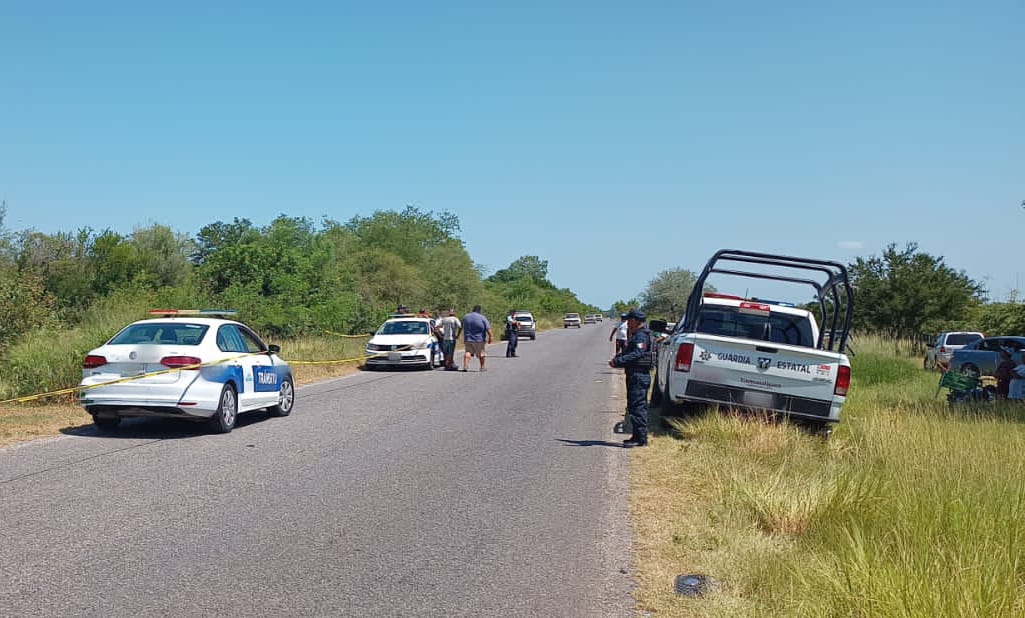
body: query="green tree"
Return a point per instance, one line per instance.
(666, 295)
(530, 266)
(161, 255)
(905, 292)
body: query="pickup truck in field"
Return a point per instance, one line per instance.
(748, 353)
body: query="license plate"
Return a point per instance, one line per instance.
(394, 356)
(759, 400)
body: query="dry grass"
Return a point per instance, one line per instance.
(912, 508)
(19, 423)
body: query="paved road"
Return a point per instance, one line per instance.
(385, 493)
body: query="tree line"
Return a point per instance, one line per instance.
(289, 278)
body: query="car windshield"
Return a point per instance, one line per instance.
(962, 338)
(160, 333)
(776, 326)
(572, 315)
(404, 327)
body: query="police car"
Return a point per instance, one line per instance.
(405, 340)
(185, 364)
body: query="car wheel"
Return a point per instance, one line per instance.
(533, 337)
(970, 370)
(430, 362)
(223, 420)
(106, 423)
(286, 398)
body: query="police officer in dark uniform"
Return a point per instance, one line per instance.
(636, 360)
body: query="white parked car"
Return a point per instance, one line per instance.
(405, 340)
(185, 365)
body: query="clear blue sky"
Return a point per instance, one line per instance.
(626, 138)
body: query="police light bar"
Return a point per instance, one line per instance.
(718, 295)
(167, 313)
(754, 308)
(774, 302)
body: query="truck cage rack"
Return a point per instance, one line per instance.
(833, 293)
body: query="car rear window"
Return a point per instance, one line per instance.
(962, 338)
(777, 327)
(160, 333)
(524, 318)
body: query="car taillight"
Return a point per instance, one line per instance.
(943, 349)
(843, 381)
(684, 355)
(93, 361)
(177, 362)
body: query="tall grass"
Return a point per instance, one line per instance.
(912, 508)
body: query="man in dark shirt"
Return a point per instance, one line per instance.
(636, 361)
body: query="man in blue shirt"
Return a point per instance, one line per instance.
(476, 330)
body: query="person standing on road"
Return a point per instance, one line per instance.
(476, 335)
(620, 333)
(450, 329)
(512, 333)
(636, 361)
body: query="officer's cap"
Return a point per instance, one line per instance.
(622, 316)
(636, 314)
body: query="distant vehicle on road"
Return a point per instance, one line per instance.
(405, 340)
(527, 324)
(590, 319)
(571, 319)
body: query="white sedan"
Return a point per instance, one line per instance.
(405, 340)
(183, 365)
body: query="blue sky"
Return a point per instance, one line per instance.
(621, 138)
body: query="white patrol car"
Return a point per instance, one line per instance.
(185, 364)
(405, 340)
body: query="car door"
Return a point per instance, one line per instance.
(259, 381)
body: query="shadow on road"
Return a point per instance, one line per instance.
(590, 443)
(161, 428)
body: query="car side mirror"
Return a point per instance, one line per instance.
(274, 348)
(657, 326)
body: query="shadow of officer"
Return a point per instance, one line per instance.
(636, 361)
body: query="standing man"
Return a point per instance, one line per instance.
(476, 330)
(512, 333)
(450, 329)
(636, 360)
(620, 333)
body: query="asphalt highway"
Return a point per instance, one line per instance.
(405, 493)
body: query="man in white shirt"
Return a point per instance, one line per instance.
(450, 328)
(620, 333)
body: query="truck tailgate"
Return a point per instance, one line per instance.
(762, 368)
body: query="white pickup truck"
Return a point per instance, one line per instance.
(763, 355)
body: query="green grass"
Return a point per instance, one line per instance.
(912, 508)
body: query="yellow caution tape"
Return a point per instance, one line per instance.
(75, 389)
